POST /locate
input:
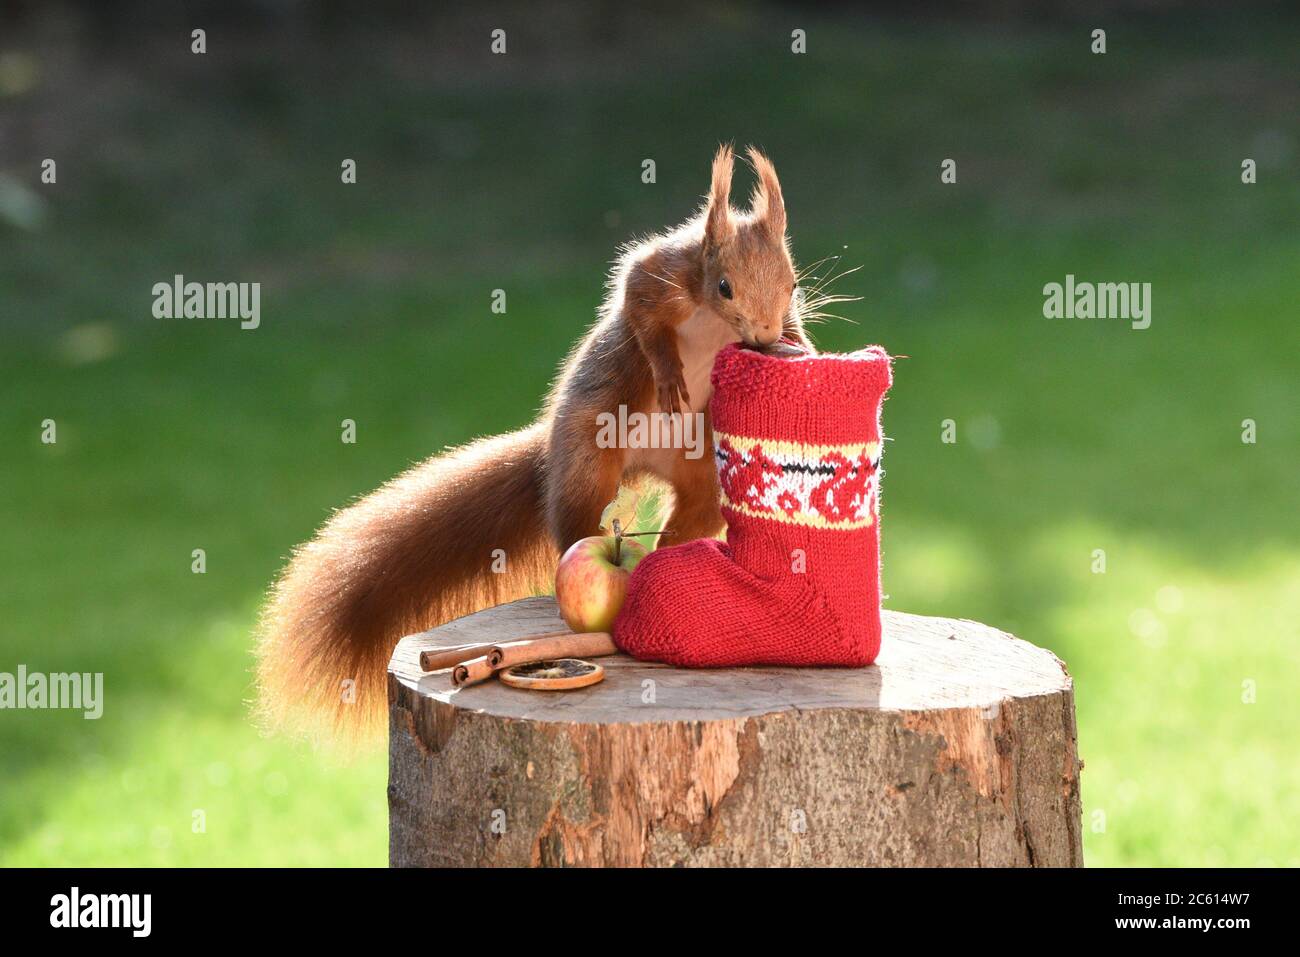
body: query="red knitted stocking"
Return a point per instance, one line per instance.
(798, 445)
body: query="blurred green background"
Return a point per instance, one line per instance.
(522, 172)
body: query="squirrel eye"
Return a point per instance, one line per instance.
(724, 287)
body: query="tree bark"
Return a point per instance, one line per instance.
(958, 747)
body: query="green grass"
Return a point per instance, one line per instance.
(1072, 435)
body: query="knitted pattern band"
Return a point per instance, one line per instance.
(797, 443)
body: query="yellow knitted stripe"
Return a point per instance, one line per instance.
(786, 451)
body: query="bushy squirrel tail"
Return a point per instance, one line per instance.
(457, 533)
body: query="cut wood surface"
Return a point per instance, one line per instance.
(957, 748)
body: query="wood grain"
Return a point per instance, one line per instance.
(957, 748)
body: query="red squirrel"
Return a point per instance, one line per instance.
(485, 523)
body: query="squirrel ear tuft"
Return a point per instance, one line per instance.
(718, 225)
(767, 204)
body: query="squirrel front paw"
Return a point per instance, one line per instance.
(671, 392)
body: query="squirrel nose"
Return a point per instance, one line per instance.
(765, 337)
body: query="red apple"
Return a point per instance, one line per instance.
(591, 580)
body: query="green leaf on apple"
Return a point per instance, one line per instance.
(623, 508)
(641, 505)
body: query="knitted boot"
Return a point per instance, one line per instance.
(798, 443)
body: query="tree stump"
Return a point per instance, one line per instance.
(956, 748)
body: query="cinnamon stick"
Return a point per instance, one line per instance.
(471, 672)
(432, 659)
(587, 644)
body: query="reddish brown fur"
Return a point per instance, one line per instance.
(419, 551)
